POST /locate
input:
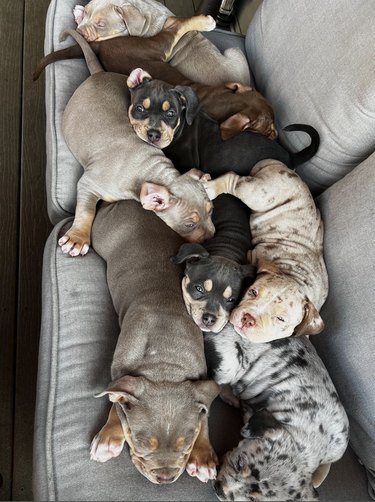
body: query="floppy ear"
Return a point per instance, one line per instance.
(311, 324)
(262, 424)
(132, 17)
(190, 100)
(249, 270)
(78, 13)
(137, 77)
(205, 392)
(154, 197)
(188, 251)
(125, 390)
(234, 125)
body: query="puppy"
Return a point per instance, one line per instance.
(294, 423)
(287, 237)
(118, 165)
(215, 271)
(189, 137)
(236, 107)
(160, 392)
(195, 56)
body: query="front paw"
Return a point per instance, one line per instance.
(202, 464)
(75, 242)
(104, 447)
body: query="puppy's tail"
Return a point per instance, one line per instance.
(304, 155)
(92, 61)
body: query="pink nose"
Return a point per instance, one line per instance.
(248, 320)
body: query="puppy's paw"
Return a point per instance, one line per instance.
(104, 447)
(74, 243)
(228, 397)
(208, 23)
(202, 464)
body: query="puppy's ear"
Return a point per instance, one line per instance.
(78, 13)
(262, 424)
(189, 252)
(154, 197)
(205, 392)
(190, 100)
(137, 77)
(126, 389)
(311, 324)
(132, 17)
(234, 125)
(249, 270)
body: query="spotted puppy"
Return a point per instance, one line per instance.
(294, 423)
(287, 238)
(215, 271)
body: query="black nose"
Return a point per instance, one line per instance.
(208, 319)
(153, 135)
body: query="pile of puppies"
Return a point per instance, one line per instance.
(256, 295)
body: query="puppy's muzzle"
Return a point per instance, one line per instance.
(247, 320)
(164, 475)
(208, 319)
(153, 135)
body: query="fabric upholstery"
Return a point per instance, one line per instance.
(315, 63)
(347, 345)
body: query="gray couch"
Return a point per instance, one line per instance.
(315, 62)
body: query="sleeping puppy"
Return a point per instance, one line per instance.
(195, 56)
(294, 423)
(215, 272)
(287, 238)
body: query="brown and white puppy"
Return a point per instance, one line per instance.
(160, 392)
(118, 165)
(195, 56)
(287, 237)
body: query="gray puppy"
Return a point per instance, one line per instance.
(159, 377)
(295, 425)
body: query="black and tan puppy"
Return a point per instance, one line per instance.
(170, 119)
(216, 271)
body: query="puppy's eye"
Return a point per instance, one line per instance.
(139, 108)
(170, 113)
(199, 288)
(280, 318)
(190, 225)
(232, 299)
(100, 24)
(253, 293)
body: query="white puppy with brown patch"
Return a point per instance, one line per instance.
(287, 237)
(194, 56)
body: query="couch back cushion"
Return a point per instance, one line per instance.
(314, 60)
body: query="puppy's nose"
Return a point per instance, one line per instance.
(164, 476)
(208, 319)
(248, 320)
(153, 135)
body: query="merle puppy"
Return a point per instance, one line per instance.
(294, 423)
(216, 272)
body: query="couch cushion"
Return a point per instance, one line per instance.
(347, 345)
(314, 61)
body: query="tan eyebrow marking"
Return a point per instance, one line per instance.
(180, 442)
(165, 106)
(147, 103)
(208, 285)
(227, 292)
(154, 443)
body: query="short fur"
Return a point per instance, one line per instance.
(234, 105)
(118, 165)
(159, 385)
(287, 240)
(216, 271)
(294, 423)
